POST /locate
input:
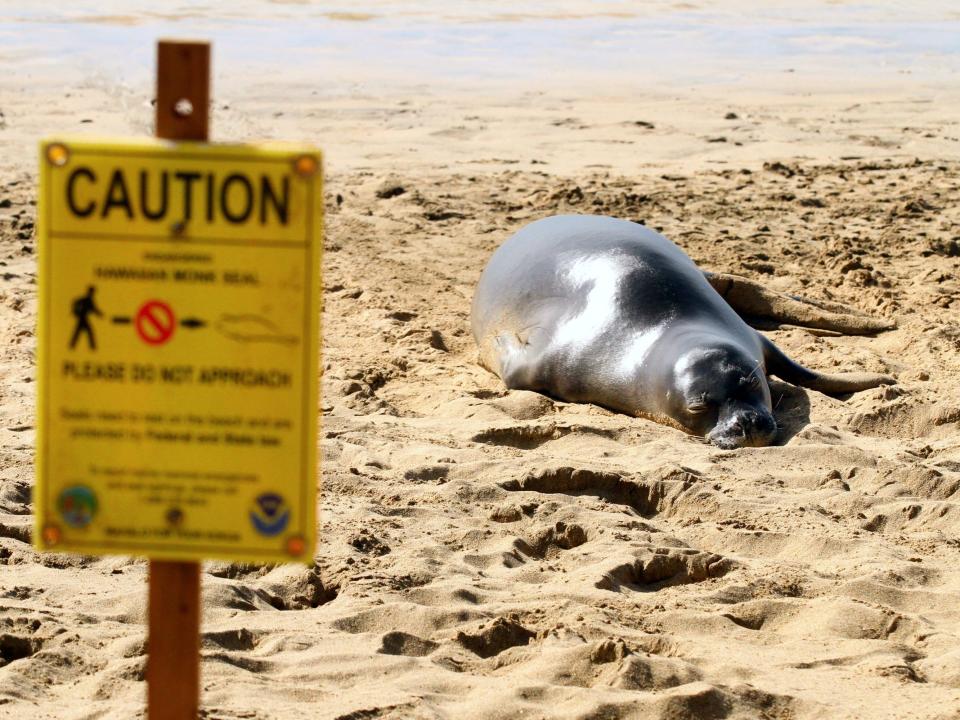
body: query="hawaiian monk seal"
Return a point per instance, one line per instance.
(595, 309)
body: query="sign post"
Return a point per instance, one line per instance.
(173, 607)
(177, 357)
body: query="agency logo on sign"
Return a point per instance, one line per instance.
(77, 506)
(270, 514)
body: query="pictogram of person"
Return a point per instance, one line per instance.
(83, 307)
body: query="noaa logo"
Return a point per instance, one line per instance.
(77, 506)
(270, 514)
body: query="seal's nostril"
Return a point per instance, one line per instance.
(737, 426)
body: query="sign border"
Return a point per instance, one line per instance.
(312, 332)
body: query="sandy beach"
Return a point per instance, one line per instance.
(493, 554)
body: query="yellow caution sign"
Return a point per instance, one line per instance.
(179, 313)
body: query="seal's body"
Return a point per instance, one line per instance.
(595, 309)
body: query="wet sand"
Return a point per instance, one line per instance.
(494, 554)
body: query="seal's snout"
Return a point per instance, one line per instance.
(744, 428)
(752, 423)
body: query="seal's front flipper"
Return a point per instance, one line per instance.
(515, 360)
(752, 300)
(786, 369)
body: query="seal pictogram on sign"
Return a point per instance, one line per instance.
(155, 322)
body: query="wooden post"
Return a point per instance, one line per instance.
(173, 651)
(183, 90)
(173, 661)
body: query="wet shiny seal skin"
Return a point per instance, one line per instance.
(595, 309)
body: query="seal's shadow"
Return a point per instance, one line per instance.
(791, 408)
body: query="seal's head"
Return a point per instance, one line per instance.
(719, 392)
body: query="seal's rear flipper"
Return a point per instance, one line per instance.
(752, 300)
(786, 369)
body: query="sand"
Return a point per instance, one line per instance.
(495, 554)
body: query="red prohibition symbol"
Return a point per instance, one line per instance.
(155, 322)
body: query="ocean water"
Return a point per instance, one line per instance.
(378, 44)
